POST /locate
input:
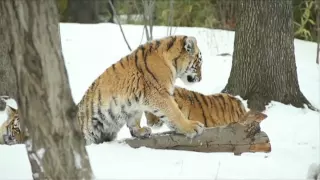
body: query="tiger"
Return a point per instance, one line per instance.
(213, 110)
(141, 81)
(10, 130)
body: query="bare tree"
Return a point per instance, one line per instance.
(56, 148)
(83, 11)
(148, 6)
(226, 13)
(170, 18)
(118, 21)
(263, 65)
(110, 5)
(8, 83)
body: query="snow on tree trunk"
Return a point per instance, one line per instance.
(263, 65)
(56, 148)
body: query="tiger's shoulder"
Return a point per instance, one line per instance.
(163, 59)
(158, 61)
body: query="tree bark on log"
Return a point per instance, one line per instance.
(55, 147)
(234, 138)
(263, 65)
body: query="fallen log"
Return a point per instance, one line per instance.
(234, 138)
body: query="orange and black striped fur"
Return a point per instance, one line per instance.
(212, 110)
(10, 130)
(141, 81)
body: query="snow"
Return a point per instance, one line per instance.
(77, 159)
(294, 133)
(40, 153)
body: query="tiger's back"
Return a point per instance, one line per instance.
(211, 110)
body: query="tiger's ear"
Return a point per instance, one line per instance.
(189, 44)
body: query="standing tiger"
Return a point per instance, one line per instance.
(212, 110)
(141, 81)
(10, 130)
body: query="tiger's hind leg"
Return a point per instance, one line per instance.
(133, 123)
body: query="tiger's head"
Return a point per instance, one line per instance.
(11, 127)
(189, 62)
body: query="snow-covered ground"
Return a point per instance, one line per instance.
(294, 133)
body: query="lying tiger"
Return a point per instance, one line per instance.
(211, 110)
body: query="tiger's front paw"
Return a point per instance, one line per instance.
(143, 132)
(192, 129)
(9, 140)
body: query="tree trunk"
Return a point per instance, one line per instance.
(226, 13)
(263, 65)
(111, 20)
(318, 31)
(82, 11)
(8, 83)
(56, 148)
(62, 9)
